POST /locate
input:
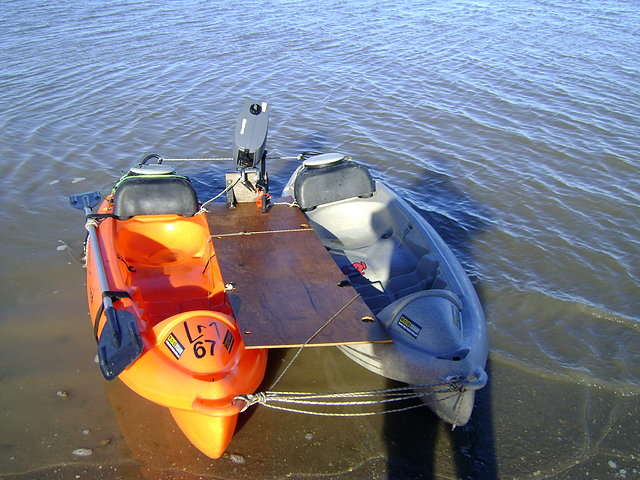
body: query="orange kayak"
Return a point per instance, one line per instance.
(160, 266)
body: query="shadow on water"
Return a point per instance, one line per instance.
(416, 452)
(456, 216)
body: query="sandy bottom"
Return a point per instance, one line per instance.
(54, 401)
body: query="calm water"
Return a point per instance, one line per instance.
(513, 127)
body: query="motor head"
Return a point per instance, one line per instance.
(251, 135)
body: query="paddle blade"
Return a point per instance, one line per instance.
(82, 200)
(119, 344)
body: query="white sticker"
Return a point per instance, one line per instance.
(244, 124)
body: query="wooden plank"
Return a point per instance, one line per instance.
(286, 283)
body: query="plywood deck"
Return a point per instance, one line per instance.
(286, 283)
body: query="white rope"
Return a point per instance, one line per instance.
(91, 222)
(354, 414)
(261, 232)
(312, 337)
(216, 159)
(291, 205)
(373, 398)
(455, 385)
(407, 391)
(220, 159)
(203, 208)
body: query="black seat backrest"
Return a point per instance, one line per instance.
(319, 184)
(154, 195)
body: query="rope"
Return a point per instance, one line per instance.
(91, 222)
(240, 234)
(325, 399)
(70, 252)
(215, 159)
(290, 205)
(220, 159)
(346, 305)
(397, 391)
(203, 208)
(458, 407)
(454, 385)
(336, 414)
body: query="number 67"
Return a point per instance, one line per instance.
(199, 349)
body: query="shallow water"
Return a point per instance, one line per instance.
(511, 127)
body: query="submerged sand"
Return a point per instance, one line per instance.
(54, 401)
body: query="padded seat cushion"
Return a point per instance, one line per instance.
(331, 183)
(154, 195)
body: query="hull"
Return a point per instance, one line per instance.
(194, 361)
(409, 278)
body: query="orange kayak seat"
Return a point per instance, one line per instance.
(155, 238)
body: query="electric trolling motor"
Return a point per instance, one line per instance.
(249, 153)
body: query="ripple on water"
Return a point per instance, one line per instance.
(512, 128)
(566, 335)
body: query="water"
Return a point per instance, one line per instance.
(511, 126)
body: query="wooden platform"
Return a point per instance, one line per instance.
(286, 283)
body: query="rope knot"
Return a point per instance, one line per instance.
(91, 222)
(251, 399)
(457, 383)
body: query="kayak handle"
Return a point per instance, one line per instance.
(217, 408)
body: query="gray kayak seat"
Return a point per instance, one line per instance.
(330, 178)
(395, 258)
(154, 195)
